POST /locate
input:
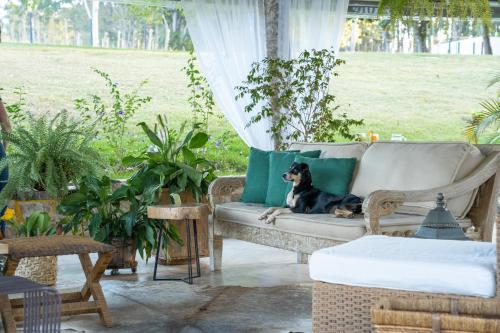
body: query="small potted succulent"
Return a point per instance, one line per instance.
(116, 216)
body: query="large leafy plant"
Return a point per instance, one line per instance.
(106, 213)
(294, 95)
(486, 119)
(173, 160)
(47, 155)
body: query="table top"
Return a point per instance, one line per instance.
(192, 211)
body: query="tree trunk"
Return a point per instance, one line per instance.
(271, 8)
(421, 31)
(95, 23)
(30, 26)
(486, 40)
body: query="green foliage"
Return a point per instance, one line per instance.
(47, 155)
(407, 10)
(228, 153)
(201, 98)
(16, 111)
(107, 213)
(294, 94)
(487, 118)
(110, 116)
(173, 160)
(37, 224)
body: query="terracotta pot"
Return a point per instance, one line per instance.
(176, 254)
(124, 255)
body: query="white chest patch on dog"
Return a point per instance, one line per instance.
(291, 200)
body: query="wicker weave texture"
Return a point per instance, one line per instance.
(346, 309)
(424, 315)
(43, 246)
(39, 269)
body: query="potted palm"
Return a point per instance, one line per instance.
(45, 156)
(115, 216)
(174, 162)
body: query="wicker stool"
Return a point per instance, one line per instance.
(191, 214)
(73, 302)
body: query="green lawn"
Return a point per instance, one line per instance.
(423, 97)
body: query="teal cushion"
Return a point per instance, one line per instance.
(279, 163)
(332, 175)
(257, 176)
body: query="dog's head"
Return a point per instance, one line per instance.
(298, 174)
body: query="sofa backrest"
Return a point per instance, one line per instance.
(410, 166)
(333, 150)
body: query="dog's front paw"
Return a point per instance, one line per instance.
(263, 216)
(270, 219)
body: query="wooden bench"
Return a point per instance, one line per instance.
(72, 302)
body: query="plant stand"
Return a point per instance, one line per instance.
(178, 254)
(191, 214)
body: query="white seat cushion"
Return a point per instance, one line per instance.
(426, 265)
(316, 225)
(406, 166)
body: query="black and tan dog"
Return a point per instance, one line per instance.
(305, 199)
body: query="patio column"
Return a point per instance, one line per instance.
(272, 13)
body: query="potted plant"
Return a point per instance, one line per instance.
(117, 217)
(45, 156)
(40, 269)
(175, 162)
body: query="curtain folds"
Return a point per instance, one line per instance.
(230, 35)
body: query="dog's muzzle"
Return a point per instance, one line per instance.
(286, 177)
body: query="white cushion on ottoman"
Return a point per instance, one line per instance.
(438, 266)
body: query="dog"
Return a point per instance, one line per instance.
(306, 199)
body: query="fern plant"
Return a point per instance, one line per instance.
(487, 118)
(47, 155)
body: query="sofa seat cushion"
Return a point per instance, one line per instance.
(425, 265)
(316, 225)
(407, 166)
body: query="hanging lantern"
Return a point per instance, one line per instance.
(440, 223)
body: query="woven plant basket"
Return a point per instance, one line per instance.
(39, 269)
(392, 315)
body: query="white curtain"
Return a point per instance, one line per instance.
(228, 36)
(310, 24)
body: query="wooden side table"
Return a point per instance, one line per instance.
(72, 302)
(191, 214)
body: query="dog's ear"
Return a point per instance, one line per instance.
(306, 174)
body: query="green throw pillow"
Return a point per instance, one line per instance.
(332, 175)
(279, 163)
(257, 176)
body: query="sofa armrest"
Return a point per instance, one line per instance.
(385, 202)
(226, 189)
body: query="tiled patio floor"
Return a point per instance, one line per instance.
(260, 289)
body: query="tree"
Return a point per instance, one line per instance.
(93, 15)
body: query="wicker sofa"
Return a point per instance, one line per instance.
(399, 182)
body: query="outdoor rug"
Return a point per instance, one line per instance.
(178, 307)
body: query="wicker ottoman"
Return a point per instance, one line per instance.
(73, 302)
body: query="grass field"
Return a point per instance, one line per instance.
(423, 97)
